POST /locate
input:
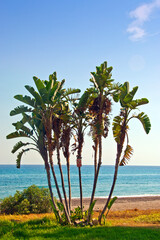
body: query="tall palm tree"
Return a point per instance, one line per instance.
(46, 105)
(65, 144)
(120, 129)
(80, 123)
(36, 134)
(99, 110)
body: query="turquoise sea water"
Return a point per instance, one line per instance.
(132, 180)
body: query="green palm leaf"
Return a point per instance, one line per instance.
(18, 146)
(70, 91)
(127, 155)
(144, 119)
(20, 109)
(41, 89)
(35, 94)
(54, 91)
(26, 99)
(117, 121)
(129, 97)
(16, 135)
(124, 92)
(111, 202)
(82, 104)
(19, 157)
(136, 103)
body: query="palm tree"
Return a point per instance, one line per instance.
(80, 123)
(36, 134)
(64, 144)
(120, 129)
(46, 106)
(99, 110)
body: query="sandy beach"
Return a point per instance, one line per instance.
(123, 203)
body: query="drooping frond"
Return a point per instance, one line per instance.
(29, 120)
(16, 134)
(19, 157)
(25, 129)
(127, 155)
(144, 119)
(18, 146)
(19, 110)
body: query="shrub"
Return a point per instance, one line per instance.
(31, 200)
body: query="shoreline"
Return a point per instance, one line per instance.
(122, 203)
(150, 202)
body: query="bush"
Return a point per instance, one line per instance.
(31, 200)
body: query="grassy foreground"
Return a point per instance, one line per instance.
(47, 228)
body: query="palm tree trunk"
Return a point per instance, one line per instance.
(96, 176)
(113, 183)
(69, 184)
(50, 187)
(79, 158)
(119, 151)
(80, 187)
(62, 179)
(58, 191)
(55, 178)
(95, 156)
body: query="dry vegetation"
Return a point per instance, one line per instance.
(132, 218)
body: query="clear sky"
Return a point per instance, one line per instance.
(72, 37)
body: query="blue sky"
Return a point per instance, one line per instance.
(72, 37)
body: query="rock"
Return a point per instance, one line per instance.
(95, 222)
(79, 222)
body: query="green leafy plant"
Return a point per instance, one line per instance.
(76, 214)
(31, 200)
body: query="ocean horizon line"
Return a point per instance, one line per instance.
(4, 164)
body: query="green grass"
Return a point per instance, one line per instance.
(48, 229)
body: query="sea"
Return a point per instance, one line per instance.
(131, 181)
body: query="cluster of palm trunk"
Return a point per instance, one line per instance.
(53, 116)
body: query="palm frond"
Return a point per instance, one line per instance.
(18, 146)
(124, 91)
(71, 91)
(35, 94)
(129, 97)
(41, 88)
(117, 121)
(19, 110)
(26, 99)
(16, 134)
(19, 157)
(25, 129)
(136, 103)
(82, 104)
(127, 155)
(144, 119)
